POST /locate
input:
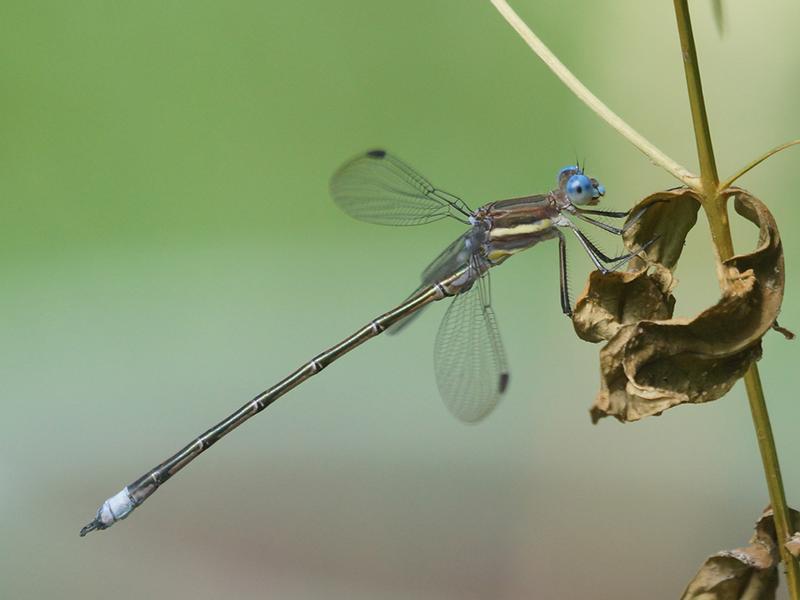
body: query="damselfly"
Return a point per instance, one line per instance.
(470, 364)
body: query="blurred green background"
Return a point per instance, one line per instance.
(168, 249)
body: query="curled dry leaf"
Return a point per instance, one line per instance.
(748, 573)
(793, 545)
(666, 220)
(615, 299)
(652, 361)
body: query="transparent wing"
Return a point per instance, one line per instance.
(451, 259)
(454, 257)
(470, 363)
(378, 188)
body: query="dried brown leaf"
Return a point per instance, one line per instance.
(668, 218)
(793, 545)
(652, 361)
(748, 573)
(616, 299)
(735, 575)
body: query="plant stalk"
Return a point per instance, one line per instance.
(714, 204)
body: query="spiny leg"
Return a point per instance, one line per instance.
(566, 304)
(601, 225)
(590, 249)
(598, 257)
(581, 214)
(605, 213)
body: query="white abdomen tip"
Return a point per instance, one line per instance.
(115, 508)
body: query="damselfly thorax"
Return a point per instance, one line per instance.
(516, 224)
(469, 360)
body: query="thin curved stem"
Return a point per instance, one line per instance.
(592, 101)
(729, 182)
(715, 208)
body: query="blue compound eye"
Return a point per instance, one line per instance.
(580, 189)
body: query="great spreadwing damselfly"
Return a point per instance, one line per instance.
(469, 361)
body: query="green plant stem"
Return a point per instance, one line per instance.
(714, 204)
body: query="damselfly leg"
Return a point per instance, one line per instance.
(566, 303)
(600, 260)
(614, 214)
(582, 212)
(598, 257)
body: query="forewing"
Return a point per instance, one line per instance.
(379, 188)
(470, 363)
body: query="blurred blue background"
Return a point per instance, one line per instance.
(168, 249)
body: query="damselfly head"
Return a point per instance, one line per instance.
(577, 188)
